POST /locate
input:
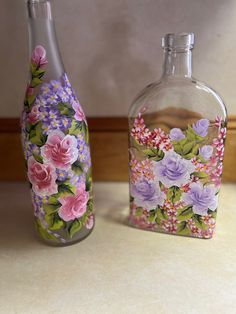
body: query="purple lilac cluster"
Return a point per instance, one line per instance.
(38, 202)
(84, 152)
(30, 149)
(51, 94)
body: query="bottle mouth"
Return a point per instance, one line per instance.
(37, 1)
(180, 41)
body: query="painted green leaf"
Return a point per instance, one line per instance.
(53, 199)
(161, 214)
(88, 181)
(190, 134)
(203, 161)
(138, 212)
(36, 136)
(36, 81)
(51, 208)
(86, 132)
(65, 109)
(183, 141)
(150, 152)
(38, 158)
(178, 149)
(90, 205)
(33, 68)
(200, 174)
(183, 228)
(174, 194)
(187, 148)
(195, 149)
(75, 227)
(198, 222)
(66, 188)
(213, 214)
(185, 213)
(43, 232)
(77, 167)
(39, 73)
(49, 219)
(57, 223)
(154, 154)
(30, 99)
(76, 127)
(189, 156)
(158, 220)
(152, 215)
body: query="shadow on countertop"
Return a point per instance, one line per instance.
(17, 223)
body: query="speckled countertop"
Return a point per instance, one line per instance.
(117, 269)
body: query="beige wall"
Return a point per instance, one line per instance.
(111, 48)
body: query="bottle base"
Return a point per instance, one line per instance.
(67, 243)
(157, 229)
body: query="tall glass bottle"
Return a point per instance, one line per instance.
(55, 139)
(177, 134)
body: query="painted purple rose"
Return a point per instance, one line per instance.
(176, 134)
(201, 127)
(173, 170)
(206, 151)
(147, 194)
(201, 198)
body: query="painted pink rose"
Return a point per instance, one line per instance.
(39, 56)
(43, 177)
(60, 150)
(79, 114)
(74, 206)
(34, 115)
(90, 222)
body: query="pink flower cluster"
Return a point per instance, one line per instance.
(216, 160)
(170, 225)
(197, 232)
(153, 139)
(141, 169)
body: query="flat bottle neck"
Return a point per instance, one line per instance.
(42, 32)
(177, 64)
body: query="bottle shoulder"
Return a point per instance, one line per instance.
(188, 93)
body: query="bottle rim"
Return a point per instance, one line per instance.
(175, 41)
(37, 1)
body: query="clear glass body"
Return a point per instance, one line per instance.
(55, 139)
(177, 133)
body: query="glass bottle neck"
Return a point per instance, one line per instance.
(42, 32)
(177, 64)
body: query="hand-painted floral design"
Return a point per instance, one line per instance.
(39, 56)
(206, 151)
(74, 206)
(42, 177)
(201, 127)
(173, 170)
(60, 150)
(201, 198)
(175, 178)
(56, 148)
(147, 194)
